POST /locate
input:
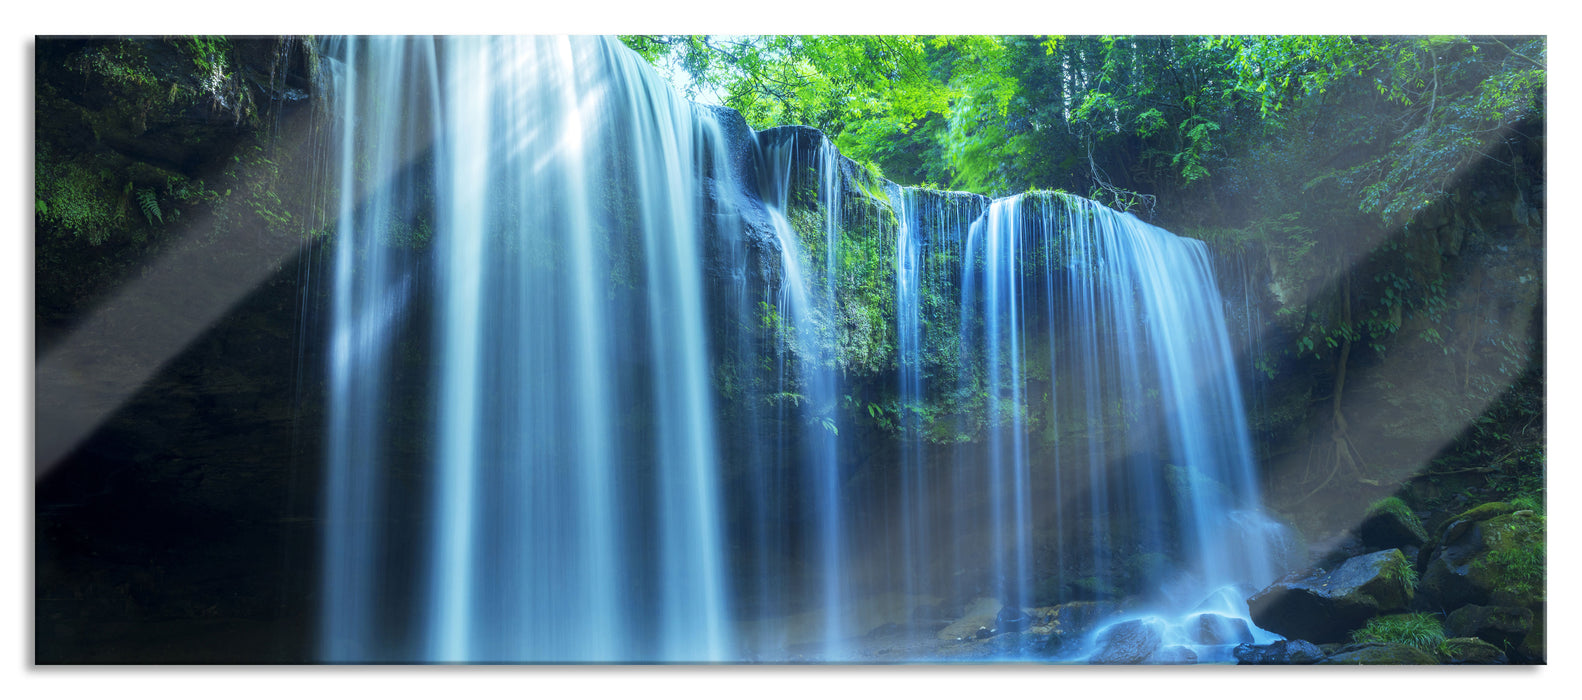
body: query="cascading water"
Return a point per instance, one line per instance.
(1117, 324)
(549, 189)
(546, 442)
(815, 388)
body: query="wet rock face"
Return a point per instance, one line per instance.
(1324, 606)
(1294, 652)
(1069, 625)
(1212, 629)
(1129, 642)
(1012, 619)
(180, 528)
(1175, 655)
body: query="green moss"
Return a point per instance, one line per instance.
(1396, 507)
(1392, 505)
(1420, 630)
(119, 63)
(90, 202)
(1397, 569)
(1486, 511)
(1516, 564)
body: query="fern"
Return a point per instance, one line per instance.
(150, 206)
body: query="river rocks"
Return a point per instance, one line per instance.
(1471, 651)
(979, 614)
(1324, 606)
(1070, 624)
(1480, 557)
(1012, 619)
(1533, 649)
(1129, 642)
(1501, 626)
(1391, 525)
(1175, 654)
(1381, 655)
(1294, 652)
(1209, 628)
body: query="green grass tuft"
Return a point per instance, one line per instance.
(1420, 630)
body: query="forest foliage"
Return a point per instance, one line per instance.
(1334, 160)
(1123, 119)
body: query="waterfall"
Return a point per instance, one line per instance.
(594, 390)
(1126, 329)
(548, 190)
(813, 393)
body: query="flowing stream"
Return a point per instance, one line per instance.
(590, 395)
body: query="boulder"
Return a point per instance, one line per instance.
(1324, 606)
(1503, 627)
(1293, 652)
(1389, 524)
(1174, 654)
(1209, 628)
(1533, 647)
(1472, 651)
(1128, 642)
(1477, 560)
(1012, 619)
(1070, 624)
(1381, 655)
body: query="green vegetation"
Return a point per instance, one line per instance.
(1421, 630)
(1396, 507)
(1516, 564)
(1398, 570)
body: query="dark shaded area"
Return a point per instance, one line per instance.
(184, 529)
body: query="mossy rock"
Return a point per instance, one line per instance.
(1503, 627)
(1325, 606)
(1471, 651)
(1390, 524)
(1381, 655)
(1473, 516)
(1533, 649)
(1499, 559)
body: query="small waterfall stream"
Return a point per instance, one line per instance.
(579, 408)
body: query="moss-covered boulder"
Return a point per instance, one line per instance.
(1503, 627)
(1325, 606)
(1480, 560)
(1381, 655)
(1534, 647)
(1471, 651)
(1390, 524)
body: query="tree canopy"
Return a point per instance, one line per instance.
(1125, 119)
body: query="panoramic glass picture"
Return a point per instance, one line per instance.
(790, 350)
